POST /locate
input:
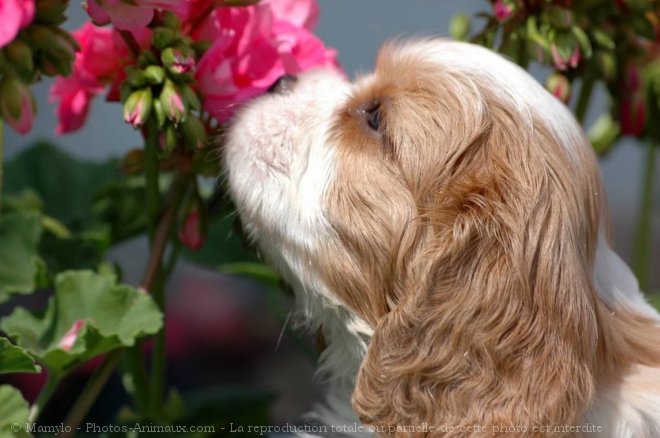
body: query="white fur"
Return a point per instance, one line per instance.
(280, 164)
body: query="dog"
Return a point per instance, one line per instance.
(442, 220)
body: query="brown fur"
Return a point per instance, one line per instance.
(466, 238)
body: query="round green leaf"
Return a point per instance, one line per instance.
(88, 315)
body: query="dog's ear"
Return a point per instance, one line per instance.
(501, 327)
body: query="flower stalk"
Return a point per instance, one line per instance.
(584, 99)
(90, 393)
(643, 238)
(2, 159)
(44, 396)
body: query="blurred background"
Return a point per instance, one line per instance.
(230, 332)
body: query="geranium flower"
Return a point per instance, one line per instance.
(14, 15)
(100, 62)
(132, 15)
(253, 46)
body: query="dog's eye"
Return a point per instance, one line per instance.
(372, 114)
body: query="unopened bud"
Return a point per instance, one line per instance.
(138, 107)
(57, 49)
(146, 58)
(17, 105)
(159, 112)
(135, 77)
(163, 37)
(19, 55)
(168, 141)
(171, 20)
(191, 97)
(154, 74)
(502, 9)
(192, 231)
(559, 17)
(173, 103)
(51, 11)
(179, 59)
(559, 86)
(459, 27)
(194, 133)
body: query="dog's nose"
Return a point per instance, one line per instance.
(283, 84)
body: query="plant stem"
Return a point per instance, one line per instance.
(132, 45)
(152, 201)
(137, 369)
(91, 391)
(157, 276)
(643, 237)
(42, 399)
(584, 99)
(98, 380)
(2, 158)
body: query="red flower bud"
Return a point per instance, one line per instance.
(190, 233)
(502, 10)
(69, 338)
(562, 62)
(559, 86)
(17, 105)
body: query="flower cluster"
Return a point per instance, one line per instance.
(182, 68)
(178, 55)
(616, 43)
(31, 45)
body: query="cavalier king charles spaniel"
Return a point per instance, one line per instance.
(442, 220)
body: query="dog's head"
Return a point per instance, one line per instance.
(455, 206)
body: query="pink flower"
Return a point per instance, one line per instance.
(253, 47)
(100, 62)
(300, 13)
(133, 15)
(70, 337)
(190, 233)
(502, 10)
(14, 15)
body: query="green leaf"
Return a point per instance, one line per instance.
(19, 260)
(14, 413)
(121, 205)
(65, 185)
(106, 314)
(15, 359)
(259, 272)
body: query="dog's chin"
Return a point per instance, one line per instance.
(279, 163)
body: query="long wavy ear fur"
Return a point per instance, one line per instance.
(502, 329)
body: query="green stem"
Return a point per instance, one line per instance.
(158, 275)
(138, 371)
(584, 99)
(159, 359)
(152, 201)
(90, 393)
(42, 399)
(643, 237)
(2, 158)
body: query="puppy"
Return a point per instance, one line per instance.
(443, 221)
